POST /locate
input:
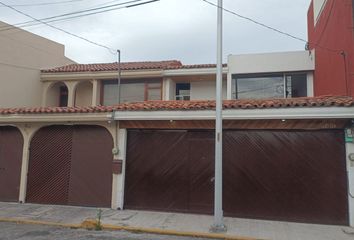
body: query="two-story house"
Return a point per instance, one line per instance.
(287, 153)
(252, 76)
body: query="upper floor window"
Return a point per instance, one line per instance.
(134, 90)
(269, 86)
(183, 91)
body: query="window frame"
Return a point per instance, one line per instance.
(145, 81)
(234, 77)
(177, 91)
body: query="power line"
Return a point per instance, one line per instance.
(44, 3)
(272, 28)
(57, 28)
(55, 18)
(72, 34)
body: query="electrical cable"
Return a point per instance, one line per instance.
(44, 4)
(59, 29)
(35, 22)
(271, 28)
(111, 50)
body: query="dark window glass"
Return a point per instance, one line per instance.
(63, 96)
(183, 91)
(296, 85)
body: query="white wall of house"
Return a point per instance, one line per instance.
(205, 90)
(22, 55)
(271, 62)
(279, 62)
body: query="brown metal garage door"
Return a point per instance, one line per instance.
(282, 175)
(11, 146)
(70, 165)
(286, 175)
(169, 171)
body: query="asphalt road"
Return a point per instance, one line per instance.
(13, 231)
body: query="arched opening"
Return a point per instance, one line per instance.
(57, 95)
(83, 94)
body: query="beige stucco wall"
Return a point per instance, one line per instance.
(205, 90)
(22, 55)
(83, 94)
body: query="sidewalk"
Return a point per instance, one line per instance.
(172, 222)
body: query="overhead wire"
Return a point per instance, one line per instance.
(44, 3)
(271, 28)
(111, 50)
(85, 12)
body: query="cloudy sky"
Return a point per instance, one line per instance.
(167, 29)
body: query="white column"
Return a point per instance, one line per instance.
(95, 92)
(122, 145)
(167, 86)
(27, 133)
(71, 85)
(349, 146)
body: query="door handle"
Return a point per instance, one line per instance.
(212, 179)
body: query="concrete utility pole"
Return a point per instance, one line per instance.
(218, 225)
(119, 76)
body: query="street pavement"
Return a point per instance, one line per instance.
(175, 222)
(14, 231)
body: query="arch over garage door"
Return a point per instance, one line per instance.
(11, 146)
(71, 165)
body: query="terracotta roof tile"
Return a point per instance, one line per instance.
(193, 66)
(95, 67)
(323, 101)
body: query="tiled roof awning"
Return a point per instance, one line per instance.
(152, 65)
(96, 67)
(308, 102)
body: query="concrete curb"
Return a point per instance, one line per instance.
(36, 222)
(90, 224)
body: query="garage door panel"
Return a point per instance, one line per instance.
(201, 171)
(11, 146)
(49, 166)
(156, 167)
(91, 164)
(70, 165)
(297, 176)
